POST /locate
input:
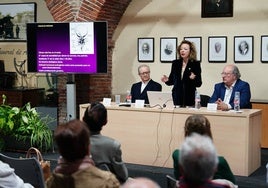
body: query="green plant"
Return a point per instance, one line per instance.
(24, 123)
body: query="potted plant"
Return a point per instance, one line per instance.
(24, 125)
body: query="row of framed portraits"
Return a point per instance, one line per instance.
(217, 49)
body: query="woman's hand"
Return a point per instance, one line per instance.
(164, 78)
(192, 76)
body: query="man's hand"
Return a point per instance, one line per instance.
(221, 105)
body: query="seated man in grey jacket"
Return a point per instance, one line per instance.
(104, 150)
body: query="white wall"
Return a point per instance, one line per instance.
(173, 18)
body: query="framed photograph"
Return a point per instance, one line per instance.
(217, 49)
(14, 17)
(145, 49)
(216, 8)
(264, 49)
(243, 49)
(197, 41)
(168, 49)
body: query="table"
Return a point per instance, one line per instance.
(263, 105)
(149, 136)
(20, 96)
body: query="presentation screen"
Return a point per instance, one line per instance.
(76, 47)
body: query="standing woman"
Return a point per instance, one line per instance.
(185, 75)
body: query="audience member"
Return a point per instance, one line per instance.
(224, 92)
(201, 125)
(140, 182)
(8, 178)
(104, 149)
(75, 168)
(139, 89)
(198, 162)
(185, 75)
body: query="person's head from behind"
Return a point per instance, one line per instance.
(144, 72)
(197, 123)
(95, 117)
(72, 139)
(140, 182)
(198, 158)
(187, 49)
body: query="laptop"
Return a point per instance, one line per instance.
(160, 99)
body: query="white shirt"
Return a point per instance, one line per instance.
(228, 93)
(143, 85)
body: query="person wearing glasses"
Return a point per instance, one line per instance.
(139, 89)
(224, 92)
(185, 75)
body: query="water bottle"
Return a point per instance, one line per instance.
(128, 98)
(237, 101)
(267, 173)
(197, 100)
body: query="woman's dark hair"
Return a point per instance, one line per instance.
(197, 124)
(72, 139)
(95, 116)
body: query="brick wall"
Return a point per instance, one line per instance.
(88, 87)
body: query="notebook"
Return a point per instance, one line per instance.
(160, 99)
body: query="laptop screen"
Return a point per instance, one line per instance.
(160, 99)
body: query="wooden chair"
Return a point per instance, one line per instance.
(29, 170)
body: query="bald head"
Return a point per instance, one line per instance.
(140, 182)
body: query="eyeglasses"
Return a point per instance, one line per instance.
(226, 73)
(144, 73)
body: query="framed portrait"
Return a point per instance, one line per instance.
(145, 49)
(217, 49)
(243, 49)
(14, 17)
(264, 49)
(197, 41)
(168, 49)
(216, 8)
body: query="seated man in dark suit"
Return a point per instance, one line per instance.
(139, 89)
(224, 92)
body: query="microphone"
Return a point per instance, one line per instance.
(165, 103)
